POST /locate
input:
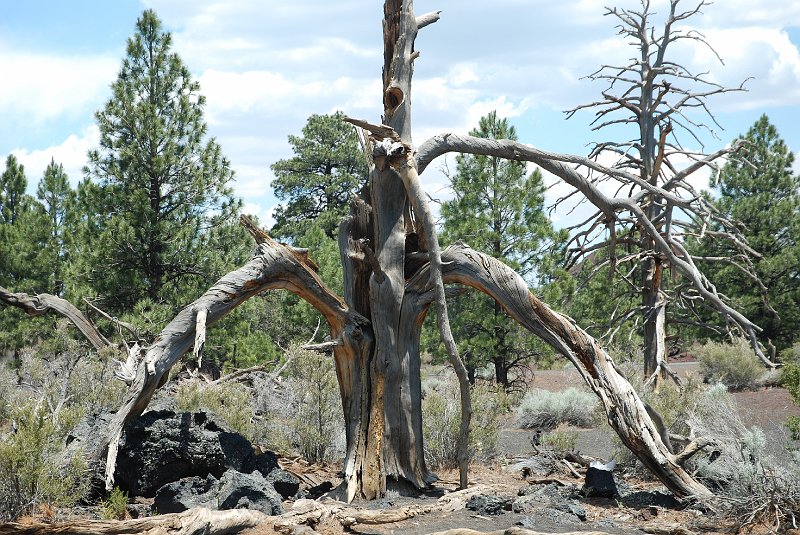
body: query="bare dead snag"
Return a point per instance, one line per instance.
(40, 304)
(626, 413)
(390, 150)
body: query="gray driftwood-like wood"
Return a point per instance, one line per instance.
(624, 409)
(198, 521)
(393, 272)
(273, 266)
(40, 304)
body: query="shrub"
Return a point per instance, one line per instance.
(751, 486)
(115, 506)
(300, 413)
(316, 422)
(230, 401)
(790, 380)
(541, 409)
(29, 475)
(441, 419)
(54, 385)
(791, 355)
(733, 365)
(561, 441)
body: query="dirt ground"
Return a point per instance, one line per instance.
(639, 512)
(643, 506)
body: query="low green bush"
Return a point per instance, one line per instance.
(733, 365)
(230, 401)
(441, 419)
(29, 473)
(790, 380)
(115, 506)
(541, 409)
(561, 441)
(315, 422)
(791, 355)
(297, 413)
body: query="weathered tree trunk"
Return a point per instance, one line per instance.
(655, 318)
(386, 426)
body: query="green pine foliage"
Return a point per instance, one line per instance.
(759, 191)
(498, 209)
(315, 185)
(56, 202)
(23, 238)
(161, 193)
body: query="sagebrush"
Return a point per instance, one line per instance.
(541, 409)
(52, 387)
(441, 418)
(733, 365)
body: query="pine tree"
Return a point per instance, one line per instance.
(56, 199)
(23, 236)
(760, 192)
(164, 190)
(12, 191)
(316, 184)
(497, 209)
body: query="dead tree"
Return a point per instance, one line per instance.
(393, 272)
(663, 103)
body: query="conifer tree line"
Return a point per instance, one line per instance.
(153, 222)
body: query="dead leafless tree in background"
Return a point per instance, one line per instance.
(664, 103)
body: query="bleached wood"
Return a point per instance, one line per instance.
(40, 304)
(198, 521)
(273, 266)
(624, 409)
(200, 335)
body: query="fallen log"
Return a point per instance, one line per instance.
(197, 521)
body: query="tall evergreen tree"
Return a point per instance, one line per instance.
(761, 193)
(22, 237)
(316, 184)
(497, 209)
(56, 199)
(163, 186)
(12, 191)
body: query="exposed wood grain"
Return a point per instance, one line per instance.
(197, 521)
(40, 304)
(624, 409)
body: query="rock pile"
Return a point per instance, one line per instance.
(184, 460)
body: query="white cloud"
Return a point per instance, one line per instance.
(71, 153)
(766, 55)
(264, 214)
(44, 87)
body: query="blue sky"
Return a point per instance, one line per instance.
(266, 66)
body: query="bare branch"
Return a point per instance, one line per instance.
(40, 304)
(428, 19)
